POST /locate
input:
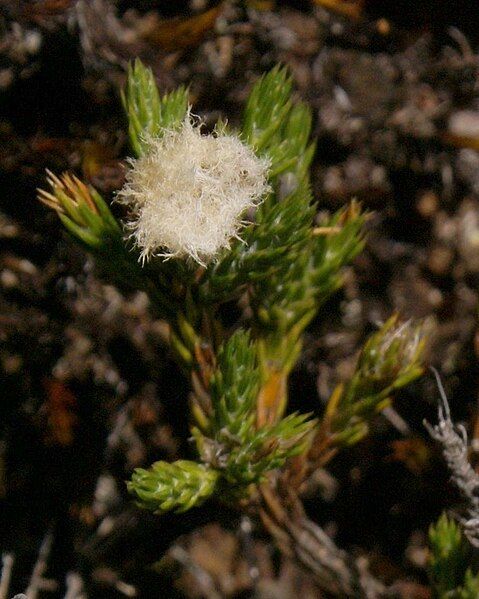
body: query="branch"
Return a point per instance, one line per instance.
(300, 538)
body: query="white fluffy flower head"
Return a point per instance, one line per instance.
(189, 191)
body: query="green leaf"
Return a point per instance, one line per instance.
(333, 250)
(268, 105)
(278, 129)
(148, 114)
(234, 387)
(84, 236)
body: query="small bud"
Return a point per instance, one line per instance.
(392, 357)
(66, 191)
(188, 192)
(82, 210)
(173, 486)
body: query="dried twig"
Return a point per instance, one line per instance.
(201, 576)
(453, 439)
(74, 586)
(37, 581)
(7, 566)
(109, 578)
(300, 538)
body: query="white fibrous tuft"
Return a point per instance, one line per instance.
(188, 193)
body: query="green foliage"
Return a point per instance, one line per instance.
(265, 449)
(289, 270)
(278, 235)
(247, 460)
(448, 555)
(294, 292)
(146, 111)
(88, 219)
(305, 268)
(232, 443)
(448, 562)
(391, 358)
(341, 242)
(177, 486)
(230, 462)
(267, 108)
(278, 130)
(234, 387)
(82, 210)
(470, 588)
(283, 268)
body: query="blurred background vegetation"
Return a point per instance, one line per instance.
(89, 389)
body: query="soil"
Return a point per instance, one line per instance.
(89, 388)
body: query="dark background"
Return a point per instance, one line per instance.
(89, 390)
